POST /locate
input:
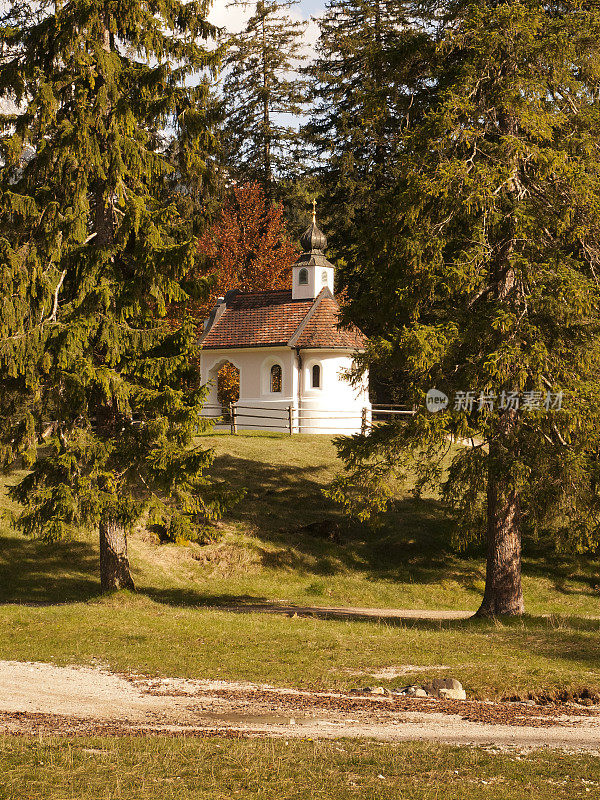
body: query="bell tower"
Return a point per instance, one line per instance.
(312, 272)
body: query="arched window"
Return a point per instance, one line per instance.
(303, 277)
(316, 377)
(275, 378)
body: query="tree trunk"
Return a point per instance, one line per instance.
(378, 79)
(114, 564)
(503, 593)
(267, 166)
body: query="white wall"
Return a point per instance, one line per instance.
(318, 278)
(335, 407)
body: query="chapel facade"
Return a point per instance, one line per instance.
(290, 350)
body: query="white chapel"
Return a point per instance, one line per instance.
(291, 353)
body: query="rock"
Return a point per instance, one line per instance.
(412, 691)
(446, 688)
(452, 694)
(323, 529)
(378, 690)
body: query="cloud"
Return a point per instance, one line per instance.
(231, 17)
(234, 17)
(310, 37)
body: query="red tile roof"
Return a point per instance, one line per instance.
(257, 319)
(262, 319)
(321, 328)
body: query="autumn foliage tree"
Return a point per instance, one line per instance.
(247, 248)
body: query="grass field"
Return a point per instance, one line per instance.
(171, 626)
(264, 553)
(164, 768)
(139, 634)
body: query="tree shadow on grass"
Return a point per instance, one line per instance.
(569, 573)
(190, 598)
(412, 543)
(567, 643)
(35, 572)
(564, 641)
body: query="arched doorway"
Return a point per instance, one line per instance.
(228, 385)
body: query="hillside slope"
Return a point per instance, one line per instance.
(287, 542)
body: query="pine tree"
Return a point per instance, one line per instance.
(92, 249)
(487, 268)
(369, 81)
(261, 84)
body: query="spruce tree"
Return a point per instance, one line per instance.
(261, 84)
(487, 268)
(92, 249)
(368, 82)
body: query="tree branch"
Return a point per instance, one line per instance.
(52, 317)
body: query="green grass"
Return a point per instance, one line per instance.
(136, 633)
(263, 554)
(168, 628)
(159, 767)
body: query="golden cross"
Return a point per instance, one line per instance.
(314, 211)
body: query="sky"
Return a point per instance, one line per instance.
(234, 18)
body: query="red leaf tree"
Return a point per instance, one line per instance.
(247, 248)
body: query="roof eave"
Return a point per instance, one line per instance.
(243, 346)
(346, 348)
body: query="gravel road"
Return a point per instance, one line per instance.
(38, 698)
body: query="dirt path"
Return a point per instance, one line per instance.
(42, 698)
(355, 613)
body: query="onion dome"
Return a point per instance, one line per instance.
(313, 240)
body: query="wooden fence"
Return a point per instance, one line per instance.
(291, 419)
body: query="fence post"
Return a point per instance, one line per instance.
(363, 422)
(232, 417)
(291, 419)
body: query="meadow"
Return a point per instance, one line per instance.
(218, 769)
(287, 543)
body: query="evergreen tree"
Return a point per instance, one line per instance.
(369, 82)
(197, 185)
(92, 249)
(487, 268)
(260, 87)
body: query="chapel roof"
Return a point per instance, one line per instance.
(267, 319)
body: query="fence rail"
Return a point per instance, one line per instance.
(294, 419)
